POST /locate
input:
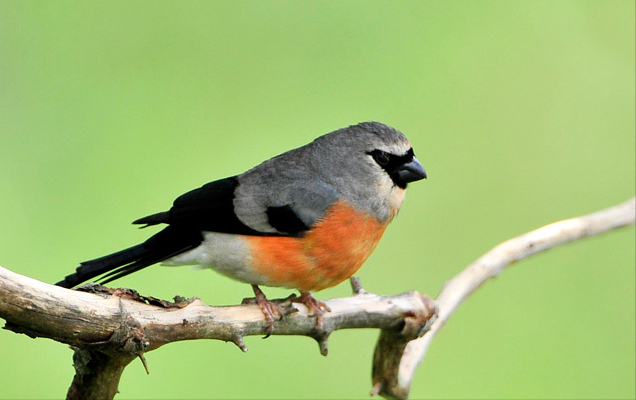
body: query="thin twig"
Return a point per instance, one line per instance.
(491, 264)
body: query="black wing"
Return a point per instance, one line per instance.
(211, 208)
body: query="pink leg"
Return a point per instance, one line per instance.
(271, 311)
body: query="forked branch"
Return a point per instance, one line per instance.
(491, 264)
(110, 328)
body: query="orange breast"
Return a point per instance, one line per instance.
(328, 254)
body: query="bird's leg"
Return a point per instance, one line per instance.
(315, 308)
(271, 311)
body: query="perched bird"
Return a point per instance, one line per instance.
(306, 219)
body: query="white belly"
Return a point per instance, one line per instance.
(226, 253)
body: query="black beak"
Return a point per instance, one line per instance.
(410, 172)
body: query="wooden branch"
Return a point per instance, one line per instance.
(110, 328)
(491, 264)
(97, 374)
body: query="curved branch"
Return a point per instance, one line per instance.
(456, 290)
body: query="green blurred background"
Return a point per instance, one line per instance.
(522, 113)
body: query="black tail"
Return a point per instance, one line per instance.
(168, 243)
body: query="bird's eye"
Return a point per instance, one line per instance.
(382, 158)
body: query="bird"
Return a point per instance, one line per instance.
(306, 219)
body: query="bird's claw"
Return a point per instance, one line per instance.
(270, 310)
(315, 308)
(274, 312)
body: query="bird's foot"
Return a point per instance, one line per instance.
(315, 308)
(271, 311)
